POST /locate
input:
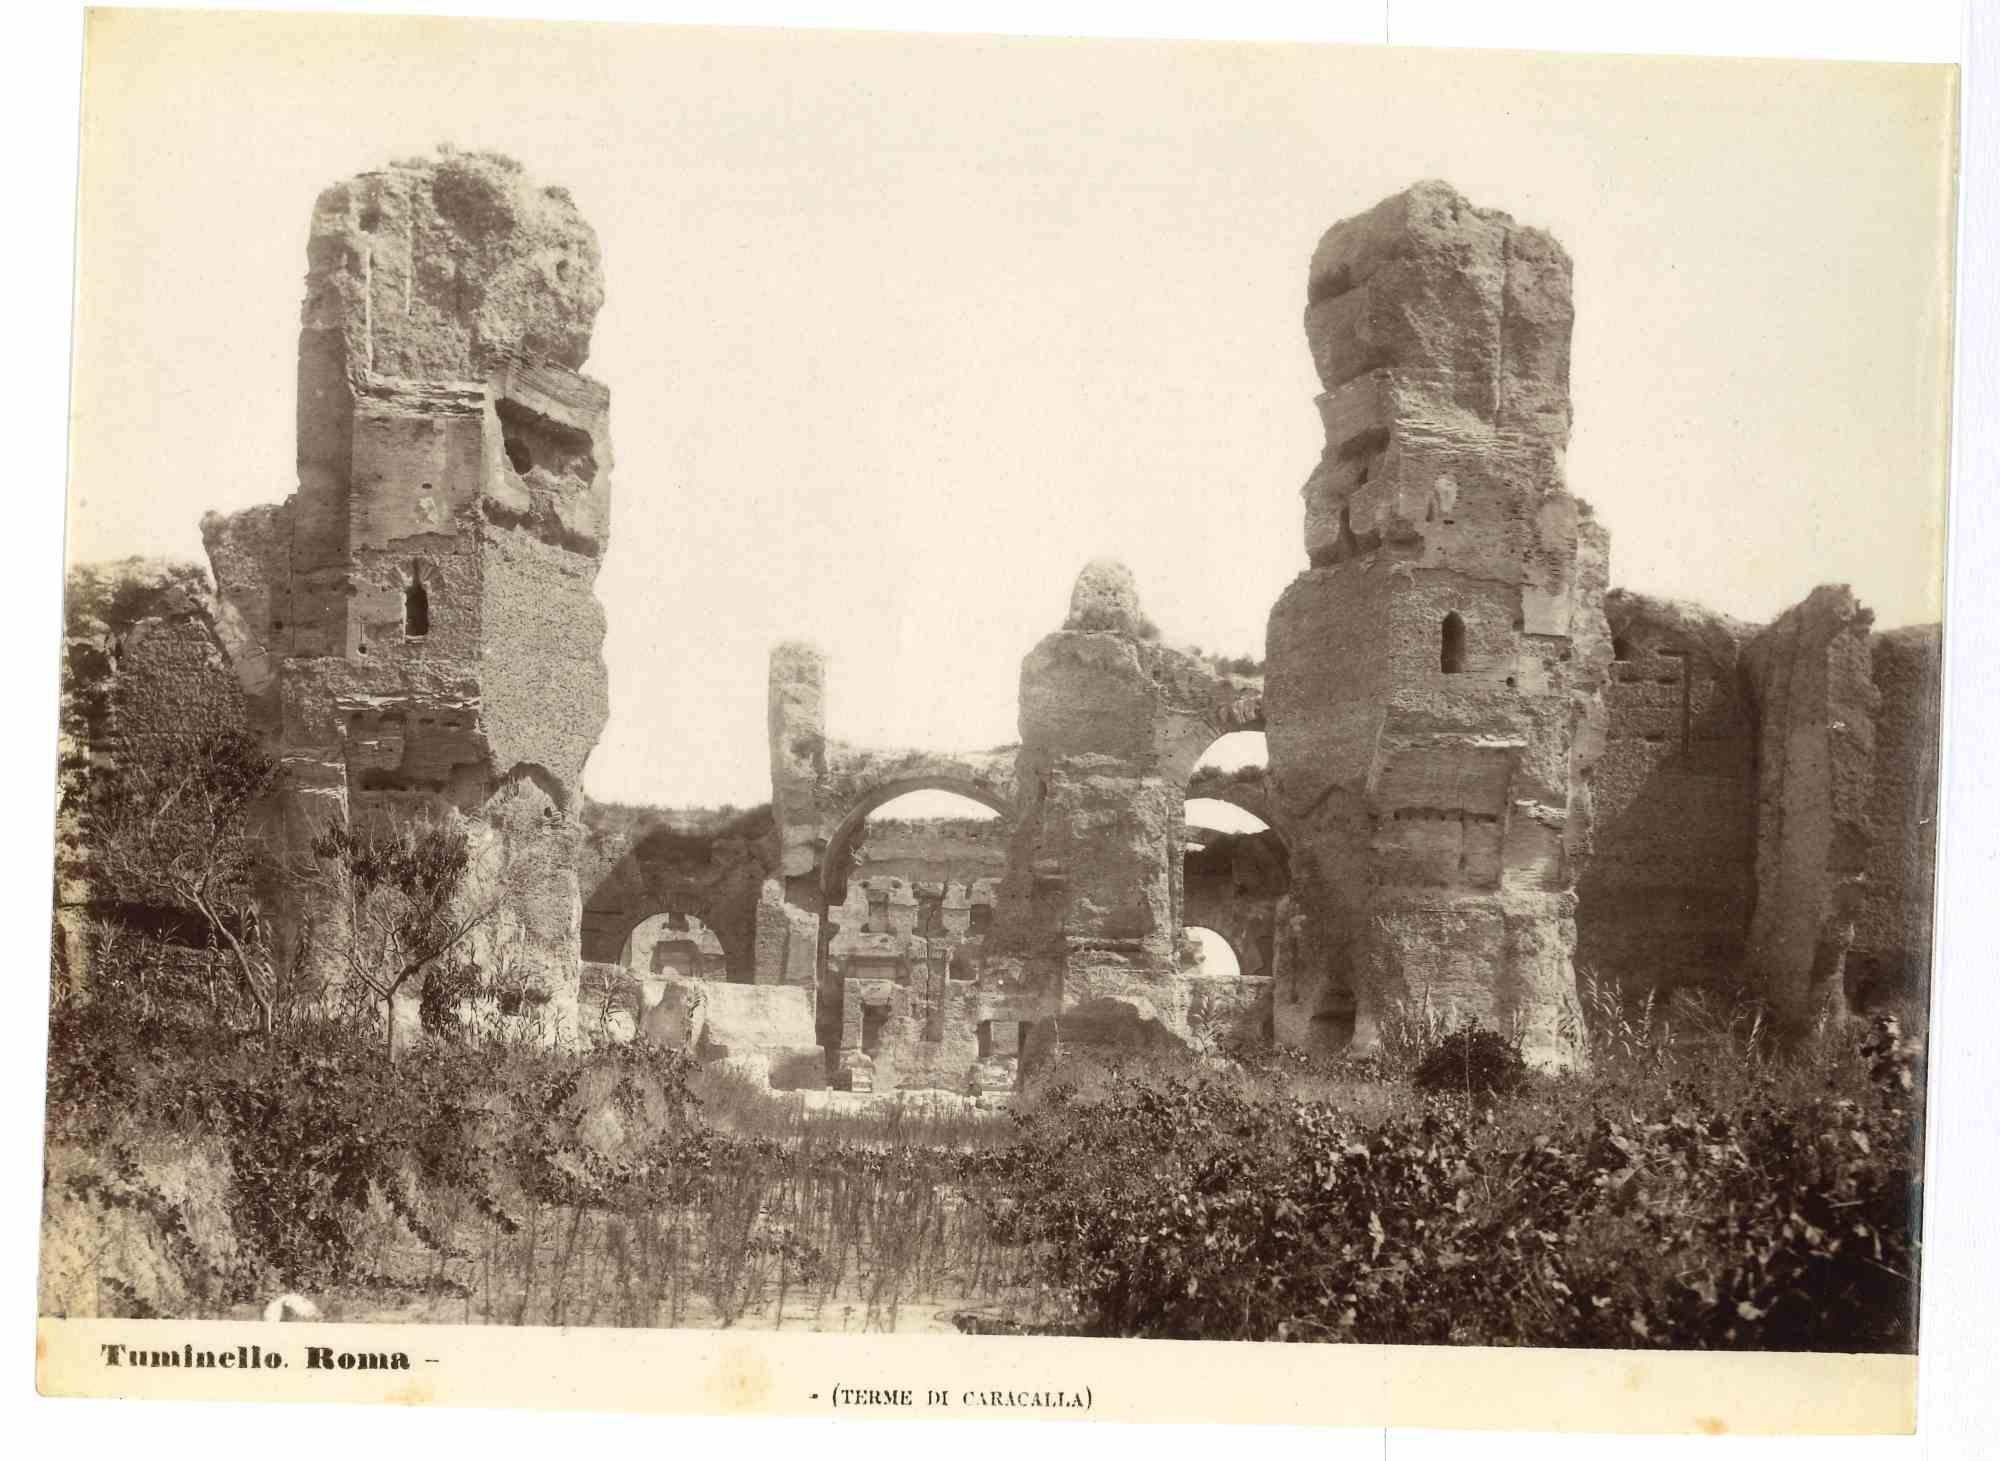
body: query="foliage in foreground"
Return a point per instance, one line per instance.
(1771, 1207)
(1706, 1196)
(315, 1131)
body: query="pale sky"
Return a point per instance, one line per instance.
(900, 332)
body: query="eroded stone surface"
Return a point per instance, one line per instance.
(1091, 911)
(1814, 672)
(416, 627)
(1106, 596)
(1433, 679)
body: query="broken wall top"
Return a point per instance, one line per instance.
(442, 268)
(1103, 686)
(1441, 336)
(1460, 299)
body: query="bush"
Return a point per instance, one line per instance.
(1474, 1061)
(1769, 1209)
(318, 1132)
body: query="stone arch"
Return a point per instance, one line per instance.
(834, 858)
(605, 939)
(1232, 879)
(711, 868)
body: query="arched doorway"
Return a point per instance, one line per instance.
(930, 800)
(910, 878)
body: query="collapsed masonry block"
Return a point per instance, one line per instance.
(787, 946)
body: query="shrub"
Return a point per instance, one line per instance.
(1770, 1209)
(1474, 1061)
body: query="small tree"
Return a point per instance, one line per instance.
(398, 888)
(174, 829)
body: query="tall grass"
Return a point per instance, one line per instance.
(845, 1228)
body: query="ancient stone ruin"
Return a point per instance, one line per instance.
(415, 627)
(1487, 770)
(1435, 675)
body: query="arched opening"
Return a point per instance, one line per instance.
(1234, 867)
(925, 831)
(910, 878)
(1218, 959)
(1621, 647)
(1233, 752)
(932, 805)
(1451, 656)
(416, 607)
(1232, 766)
(1211, 814)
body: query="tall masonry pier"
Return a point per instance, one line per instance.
(1433, 677)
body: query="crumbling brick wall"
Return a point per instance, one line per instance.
(143, 668)
(1765, 808)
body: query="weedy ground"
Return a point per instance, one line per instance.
(1694, 1185)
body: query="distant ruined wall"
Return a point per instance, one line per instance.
(879, 984)
(941, 850)
(949, 952)
(1765, 807)
(416, 626)
(1665, 898)
(1433, 679)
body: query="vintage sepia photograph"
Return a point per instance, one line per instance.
(1214, 692)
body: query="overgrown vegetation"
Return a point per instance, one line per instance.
(1719, 1197)
(171, 836)
(1718, 1200)
(1208, 780)
(401, 914)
